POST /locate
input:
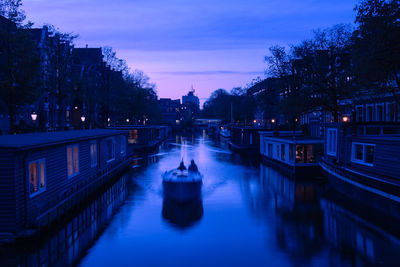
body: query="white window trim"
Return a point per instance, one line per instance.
(353, 152)
(362, 113)
(366, 112)
(387, 115)
(45, 176)
(96, 156)
(122, 145)
(383, 112)
(75, 173)
(113, 148)
(330, 153)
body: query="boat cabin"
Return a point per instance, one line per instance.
(293, 153)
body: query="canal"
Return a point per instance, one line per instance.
(249, 215)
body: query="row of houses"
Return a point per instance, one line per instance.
(46, 175)
(71, 87)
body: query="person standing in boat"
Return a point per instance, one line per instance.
(193, 167)
(182, 166)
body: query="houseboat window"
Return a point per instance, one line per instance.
(360, 112)
(291, 154)
(123, 145)
(283, 150)
(331, 142)
(110, 149)
(363, 153)
(299, 154)
(390, 112)
(73, 160)
(270, 153)
(277, 151)
(379, 112)
(370, 113)
(37, 179)
(93, 154)
(133, 137)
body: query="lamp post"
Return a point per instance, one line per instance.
(34, 118)
(83, 118)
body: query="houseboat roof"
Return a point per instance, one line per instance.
(297, 140)
(32, 140)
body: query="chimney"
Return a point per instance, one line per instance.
(86, 45)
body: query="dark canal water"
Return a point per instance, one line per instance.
(249, 215)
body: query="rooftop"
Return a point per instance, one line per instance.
(31, 140)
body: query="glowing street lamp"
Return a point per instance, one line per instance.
(108, 119)
(345, 119)
(83, 118)
(273, 120)
(34, 116)
(127, 120)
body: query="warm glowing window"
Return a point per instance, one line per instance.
(37, 176)
(73, 160)
(93, 154)
(133, 137)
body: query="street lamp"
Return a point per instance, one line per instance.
(273, 120)
(83, 122)
(34, 116)
(127, 120)
(345, 119)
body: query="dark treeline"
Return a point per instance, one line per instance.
(48, 84)
(337, 66)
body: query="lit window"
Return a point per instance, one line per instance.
(133, 137)
(110, 149)
(37, 176)
(331, 142)
(363, 153)
(73, 160)
(93, 154)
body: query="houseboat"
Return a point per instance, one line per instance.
(46, 175)
(245, 139)
(224, 132)
(291, 152)
(144, 138)
(364, 166)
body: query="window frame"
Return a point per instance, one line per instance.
(92, 165)
(383, 117)
(369, 117)
(38, 170)
(73, 159)
(122, 145)
(112, 139)
(353, 153)
(328, 142)
(360, 116)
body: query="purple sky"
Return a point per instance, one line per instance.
(209, 44)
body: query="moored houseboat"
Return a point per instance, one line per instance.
(291, 152)
(245, 139)
(364, 167)
(45, 175)
(144, 138)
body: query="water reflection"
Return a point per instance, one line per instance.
(249, 215)
(66, 245)
(182, 215)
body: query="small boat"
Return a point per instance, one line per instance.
(181, 185)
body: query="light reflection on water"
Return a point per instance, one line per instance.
(249, 215)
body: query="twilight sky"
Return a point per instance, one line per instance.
(209, 44)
